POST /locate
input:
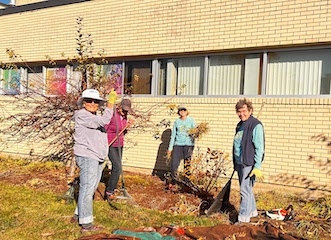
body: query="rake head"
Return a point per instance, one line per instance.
(124, 194)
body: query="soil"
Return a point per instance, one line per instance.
(151, 193)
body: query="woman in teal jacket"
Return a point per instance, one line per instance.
(181, 143)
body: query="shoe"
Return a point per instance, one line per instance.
(110, 196)
(242, 224)
(90, 228)
(172, 188)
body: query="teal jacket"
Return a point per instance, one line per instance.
(248, 147)
(179, 134)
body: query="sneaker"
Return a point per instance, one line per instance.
(90, 228)
(110, 196)
(243, 224)
(172, 188)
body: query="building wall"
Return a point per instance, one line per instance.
(133, 28)
(295, 155)
(297, 136)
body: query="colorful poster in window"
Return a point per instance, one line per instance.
(114, 77)
(56, 81)
(11, 83)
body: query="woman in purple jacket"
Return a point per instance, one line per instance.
(116, 129)
(90, 149)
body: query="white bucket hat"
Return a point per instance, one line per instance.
(92, 94)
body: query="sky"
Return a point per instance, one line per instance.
(5, 1)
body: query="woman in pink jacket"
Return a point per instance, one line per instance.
(116, 129)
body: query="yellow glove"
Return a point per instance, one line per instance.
(112, 97)
(169, 154)
(258, 175)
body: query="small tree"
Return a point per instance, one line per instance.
(47, 117)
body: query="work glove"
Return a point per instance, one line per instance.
(258, 175)
(169, 154)
(112, 97)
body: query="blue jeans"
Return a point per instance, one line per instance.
(247, 201)
(89, 178)
(116, 167)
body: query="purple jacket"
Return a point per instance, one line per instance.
(90, 135)
(111, 129)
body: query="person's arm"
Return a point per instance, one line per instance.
(193, 123)
(172, 138)
(258, 141)
(92, 121)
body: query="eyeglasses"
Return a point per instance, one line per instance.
(183, 109)
(89, 100)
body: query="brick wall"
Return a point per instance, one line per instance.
(294, 155)
(133, 28)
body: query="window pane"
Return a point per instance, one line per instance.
(35, 80)
(113, 74)
(56, 81)
(182, 76)
(225, 75)
(190, 76)
(162, 78)
(168, 77)
(299, 73)
(11, 83)
(138, 77)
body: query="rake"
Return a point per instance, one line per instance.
(124, 192)
(221, 201)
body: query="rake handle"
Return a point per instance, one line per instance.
(112, 141)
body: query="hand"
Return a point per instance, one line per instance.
(112, 97)
(130, 123)
(258, 175)
(169, 154)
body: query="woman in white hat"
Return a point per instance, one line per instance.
(90, 149)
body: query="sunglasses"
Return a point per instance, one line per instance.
(88, 100)
(183, 109)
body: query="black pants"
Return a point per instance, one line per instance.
(116, 168)
(179, 153)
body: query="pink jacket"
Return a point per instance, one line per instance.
(111, 129)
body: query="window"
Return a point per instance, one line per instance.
(35, 79)
(183, 76)
(113, 75)
(52, 81)
(226, 75)
(56, 81)
(299, 73)
(10, 82)
(138, 77)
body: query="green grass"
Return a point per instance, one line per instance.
(31, 213)
(34, 214)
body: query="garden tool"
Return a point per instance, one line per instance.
(281, 213)
(221, 201)
(124, 192)
(71, 194)
(117, 135)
